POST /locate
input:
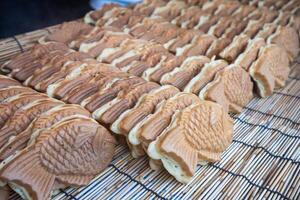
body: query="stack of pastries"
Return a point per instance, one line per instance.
(46, 144)
(163, 75)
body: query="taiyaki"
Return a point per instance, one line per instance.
(198, 46)
(152, 127)
(92, 16)
(238, 89)
(197, 135)
(107, 94)
(180, 76)
(84, 90)
(287, 38)
(270, 70)
(67, 32)
(250, 54)
(217, 46)
(76, 77)
(253, 27)
(181, 40)
(137, 68)
(23, 117)
(164, 66)
(13, 91)
(227, 8)
(237, 46)
(13, 103)
(109, 40)
(235, 29)
(26, 59)
(6, 82)
(145, 106)
(126, 99)
(219, 28)
(170, 10)
(46, 71)
(94, 35)
(22, 66)
(47, 119)
(205, 22)
(62, 73)
(69, 153)
(206, 75)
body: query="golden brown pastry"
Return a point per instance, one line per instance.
(250, 54)
(232, 87)
(69, 153)
(180, 76)
(125, 100)
(196, 135)
(12, 91)
(7, 82)
(238, 44)
(24, 116)
(145, 106)
(154, 125)
(47, 119)
(206, 75)
(270, 70)
(67, 32)
(287, 38)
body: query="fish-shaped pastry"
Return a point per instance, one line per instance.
(164, 66)
(180, 76)
(246, 58)
(84, 90)
(206, 75)
(170, 10)
(181, 40)
(197, 135)
(237, 46)
(23, 117)
(232, 87)
(104, 95)
(47, 119)
(13, 91)
(24, 64)
(267, 30)
(219, 28)
(62, 73)
(270, 70)
(77, 77)
(93, 16)
(46, 71)
(198, 46)
(149, 129)
(145, 106)
(67, 32)
(7, 81)
(217, 46)
(12, 104)
(287, 38)
(126, 99)
(70, 153)
(109, 40)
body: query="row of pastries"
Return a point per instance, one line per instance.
(163, 75)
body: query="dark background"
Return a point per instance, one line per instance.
(20, 16)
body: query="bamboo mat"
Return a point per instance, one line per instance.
(263, 160)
